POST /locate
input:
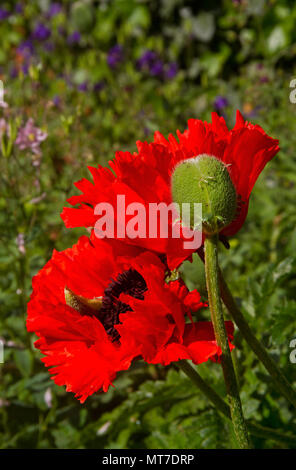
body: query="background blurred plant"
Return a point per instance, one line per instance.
(83, 79)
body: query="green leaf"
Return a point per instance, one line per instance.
(24, 361)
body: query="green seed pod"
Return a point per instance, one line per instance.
(82, 304)
(206, 180)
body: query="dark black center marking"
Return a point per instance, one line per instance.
(129, 282)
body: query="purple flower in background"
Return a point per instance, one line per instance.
(115, 56)
(220, 103)
(41, 32)
(152, 63)
(56, 101)
(83, 86)
(15, 71)
(18, 9)
(98, 86)
(264, 79)
(74, 38)
(4, 14)
(25, 68)
(54, 9)
(171, 70)
(30, 137)
(26, 48)
(156, 69)
(146, 59)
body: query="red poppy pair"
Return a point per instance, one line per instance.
(101, 304)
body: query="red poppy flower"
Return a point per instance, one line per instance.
(101, 304)
(145, 176)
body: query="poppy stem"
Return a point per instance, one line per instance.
(254, 428)
(206, 389)
(212, 278)
(278, 377)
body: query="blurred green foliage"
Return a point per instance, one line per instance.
(242, 51)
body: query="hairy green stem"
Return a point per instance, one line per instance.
(272, 368)
(278, 377)
(212, 278)
(254, 428)
(206, 389)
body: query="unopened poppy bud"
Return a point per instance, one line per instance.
(82, 304)
(205, 179)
